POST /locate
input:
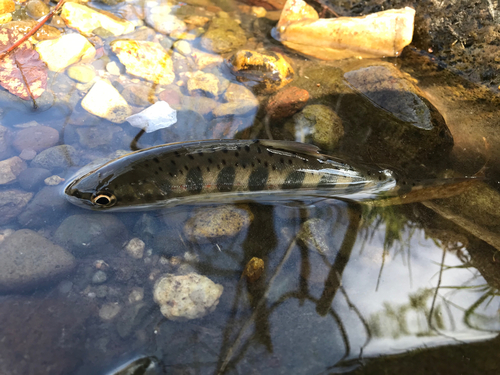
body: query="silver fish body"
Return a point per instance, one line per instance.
(222, 171)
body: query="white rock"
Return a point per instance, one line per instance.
(162, 21)
(62, 52)
(86, 19)
(185, 297)
(136, 295)
(157, 116)
(105, 101)
(135, 248)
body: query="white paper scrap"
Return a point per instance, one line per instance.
(157, 116)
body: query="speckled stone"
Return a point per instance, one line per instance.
(36, 138)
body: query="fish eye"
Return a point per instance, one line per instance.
(104, 199)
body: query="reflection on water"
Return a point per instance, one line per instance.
(344, 286)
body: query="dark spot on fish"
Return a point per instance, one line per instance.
(369, 173)
(238, 148)
(225, 151)
(294, 180)
(156, 160)
(181, 172)
(259, 150)
(236, 153)
(194, 181)
(173, 162)
(170, 173)
(223, 162)
(252, 164)
(177, 154)
(355, 187)
(327, 181)
(282, 161)
(270, 153)
(258, 160)
(208, 169)
(191, 157)
(236, 164)
(160, 169)
(247, 148)
(305, 161)
(380, 178)
(290, 161)
(225, 179)
(274, 167)
(156, 173)
(200, 153)
(258, 179)
(198, 167)
(266, 164)
(209, 161)
(218, 167)
(186, 168)
(146, 165)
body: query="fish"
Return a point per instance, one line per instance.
(229, 171)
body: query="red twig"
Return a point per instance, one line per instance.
(32, 31)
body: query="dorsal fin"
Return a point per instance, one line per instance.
(291, 146)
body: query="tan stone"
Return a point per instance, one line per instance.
(145, 59)
(86, 19)
(10, 169)
(65, 51)
(105, 101)
(7, 6)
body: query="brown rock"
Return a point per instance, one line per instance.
(286, 102)
(267, 4)
(12, 203)
(36, 138)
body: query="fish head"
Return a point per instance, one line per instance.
(91, 191)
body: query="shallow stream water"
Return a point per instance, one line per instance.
(400, 289)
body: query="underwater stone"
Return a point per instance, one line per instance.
(36, 138)
(186, 297)
(62, 156)
(46, 207)
(217, 222)
(32, 178)
(29, 260)
(105, 101)
(12, 203)
(286, 102)
(223, 35)
(10, 169)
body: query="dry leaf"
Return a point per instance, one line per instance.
(21, 71)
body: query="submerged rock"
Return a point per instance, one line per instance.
(86, 20)
(62, 156)
(32, 178)
(12, 203)
(64, 51)
(317, 124)
(46, 207)
(10, 169)
(315, 234)
(147, 60)
(223, 35)
(162, 20)
(207, 83)
(28, 261)
(105, 101)
(36, 138)
(286, 102)
(264, 72)
(98, 233)
(186, 297)
(217, 222)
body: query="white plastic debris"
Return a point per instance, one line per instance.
(157, 116)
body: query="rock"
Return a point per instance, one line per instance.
(31, 179)
(53, 180)
(163, 21)
(36, 138)
(315, 234)
(5, 18)
(147, 60)
(199, 104)
(223, 35)
(268, 4)
(132, 318)
(136, 295)
(27, 155)
(264, 72)
(110, 2)
(235, 108)
(12, 203)
(317, 124)
(5, 141)
(97, 136)
(378, 34)
(109, 311)
(7, 6)
(254, 269)
(99, 277)
(103, 233)
(54, 329)
(155, 117)
(183, 47)
(46, 207)
(62, 156)
(236, 92)
(44, 33)
(135, 248)
(10, 169)
(217, 222)
(105, 101)
(29, 261)
(172, 97)
(207, 83)
(186, 297)
(86, 19)
(113, 68)
(37, 9)
(139, 95)
(64, 51)
(204, 59)
(286, 102)
(81, 73)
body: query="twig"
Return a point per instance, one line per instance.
(33, 30)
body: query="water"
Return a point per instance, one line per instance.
(409, 289)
